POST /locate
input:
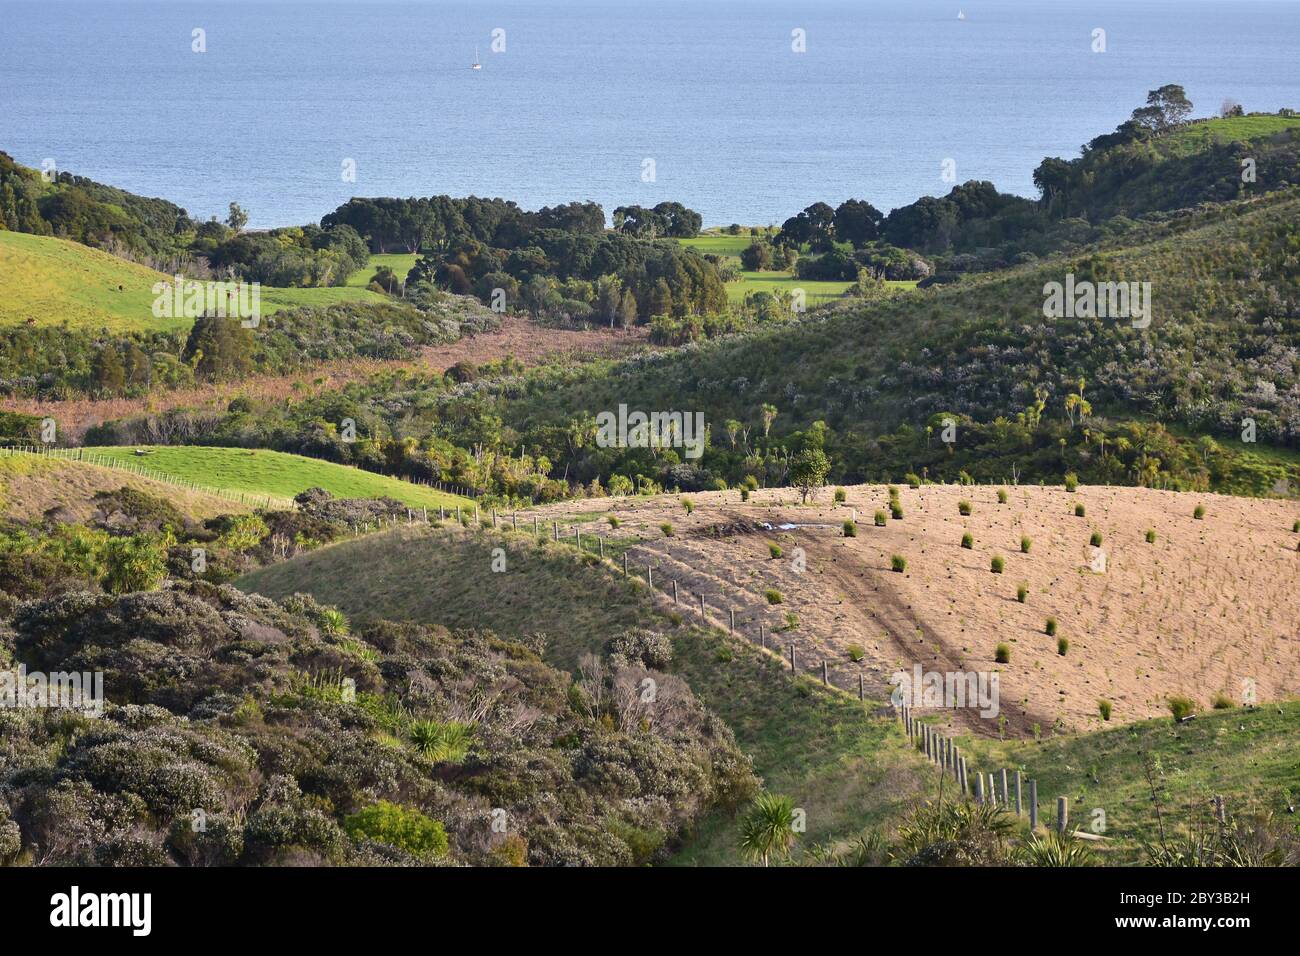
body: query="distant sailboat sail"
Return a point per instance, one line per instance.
(961, 14)
(476, 65)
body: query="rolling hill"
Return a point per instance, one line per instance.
(847, 767)
(273, 473)
(49, 281)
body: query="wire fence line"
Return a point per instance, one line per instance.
(256, 500)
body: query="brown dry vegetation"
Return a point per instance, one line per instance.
(517, 337)
(30, 486)
(1211, 604)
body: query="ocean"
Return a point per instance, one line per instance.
(746, 110)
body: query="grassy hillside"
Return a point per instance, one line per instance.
(31, 485)
(51, 281)
(847, 769)
(1250, 756)
(273, 473)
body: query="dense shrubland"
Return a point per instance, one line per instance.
(293, 739)
(239, 730)
(61, 362)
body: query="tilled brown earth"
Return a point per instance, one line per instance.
(1210, 609)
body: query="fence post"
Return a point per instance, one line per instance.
(979, 788)
(624, 564)
(1006, 797)
(792, 660)
(1062, 814)
(494, 517)
(762, 636)
(556, 527)
(536, 529)
(1220, 811)
(703, 609)
(825, 680)
(577, 539)
(514, 522)
(1019, 806)
(1033, 805)
(675, 601)
(860, 697)
(650, 575)
(731, 626)
(600, 539)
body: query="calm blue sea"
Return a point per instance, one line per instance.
(739, 126)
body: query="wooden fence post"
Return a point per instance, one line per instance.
(1006, 797)
(762, 635)
(624, 564)
(1220, 811)
(731, 627)
(793, 670)
(825, 679)
(860, 697)
(979, 788)
(675, 601)
(1062, 814)
(1019, 805)
(1033, 805)
(650, 576)
(600, 540)
(704, 611)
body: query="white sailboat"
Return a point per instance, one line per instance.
(476, 64)
(961, 14)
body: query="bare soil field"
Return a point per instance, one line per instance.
(1212, 607)
(517, 337)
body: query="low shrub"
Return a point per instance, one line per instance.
(398, 826)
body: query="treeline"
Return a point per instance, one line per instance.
(1156, 162)
(559, 263)
(441, 222)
